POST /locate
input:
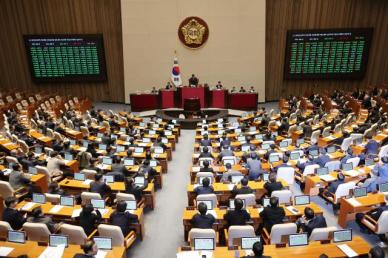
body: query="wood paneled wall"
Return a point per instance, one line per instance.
(19, 17)
(283, 15)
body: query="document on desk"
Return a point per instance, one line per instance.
(194, 254)
(76, 213)
(87, 182)
(292, 209)
(230, 187)
(101, 254)
(196, 169)
(5, 251)
(354, 202)
(327, 178)
(212, 212)
(52, 252)
(196, 155)
(349, 252)
(331, 137)
(103, 211)
(56, 209)
(351, 173)
(28, 206)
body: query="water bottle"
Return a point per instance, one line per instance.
(236, 254)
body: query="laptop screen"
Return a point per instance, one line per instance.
(32, 170)
(347, 166)
(302, 200)
(158, 150)
(58, 240)
(38, 150)
(123, 129)
(152, 132)
(67, 201)
(204, 244)
(259, 137)
(79, 176)
(294, 155)
(369, 162)
(108, 179)
(131, 205)
(120, 148)
(248, 242)
(331, 149)
(139, 150)
(283, 144)
(85, 144)
(265, 146)
(98, 203)
(38, 198)
(383, 188)
(266, 202)
(229, 161)
(209, 204)
(238, 130)
(129, 162)
(73, 142)
(274, 158)
(68, 156)
(313, 153)
(265, 177)
(100, 135)
(102, 146)
(245, 148)
(299, 142)
(231, 204)
(298, 239)
(103, 243)
(342, 235)
(167, 133)
(322, 171)
(236, 179)
(153, 163)
(252, 128)
(241, 139)
(141, 124)
(146, 140)
(360, 192)
(107, 161)
(165, 140)
(16, 236)
(139, 180)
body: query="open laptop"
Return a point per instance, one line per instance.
(209, 204)
(152, 132)
(100, 135)
(331, 149)
(299, 142)
(38, 150)
(167, 133)
(313, 153)
(298, 239)
(15, 236)
(266, 202)
(102, 147)
(295, 155)
(103, 243)
(248, 242)
(204, 244)
(301, 200)
(158, 150)
(265, 177)
(273, 158)
(153, 163)
(79, 176)
(245, 148)
(32, 170)
(129, 162)
(120, 148)
(146, 140)
(383, 188)
(98, 203)
(348, 169)
(107, 161)
(139, 150)
(231, 204)
(322, 171)
(259, 137)
(342, 235)
(58, 240)
(283, 144)
(68, 157)
(73, 142)
(131, 205)
(265, 146)
(369, 163)
(139, 180)
(236, 179)
(360, 192)
(67, 201)
(38, 198)
(108, 179)
(229, 161)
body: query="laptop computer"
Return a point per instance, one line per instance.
(265, 177)
(100, 135)
(38, 198)
(15, 236)
(298, 239)
(146, 140)
(294, 155)
(153, 163)
(73, 142)
(152, 132)
(245, 148)
(342, 235)
(32, 170)
(131, 205)
(58, 240)
(383, 188)
(331, 149)
(204, 244)
(79, 176)
(248, 242)
(103, 243)
(301, 200)
(347, 166)
(167, 133)
(129, 162)
(236, 179)
(266, 202)
(283, 144)
(120, 148)
(158, 150)
(209, 204)
(299, 142)
(102, 146)
(38, 150)
(229, 161)
(369, 162)
(139, 150)
(322, 171)
(360, 192)
(273, 158)
(68, 157)
(98, 203)
(265, 146)
(107, 161)
(139, 180)
(67, 201)
(259, 137)
(313, 153)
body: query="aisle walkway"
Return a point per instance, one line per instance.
(163, 226)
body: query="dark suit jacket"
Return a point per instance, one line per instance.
(270, 187)
(203, 190)
(237, 218)
(207, 142)
(317, 222)
(307, 131)
(123, 220)
(202, 221)
(242, 190)
(272, 216)
(83, 256)
(88, 221)
(45, 220)
(204, 169)
(205, 155)
(14, 218)
(100, 187)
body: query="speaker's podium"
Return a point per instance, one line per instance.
(192, 104)
(193, 92)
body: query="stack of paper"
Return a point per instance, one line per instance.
(52, 252)
(101, 254)
(354, 202)
(196, 169)
(194, 254)
(56, 209)
(292, 209)
(76, 213)
(347, 250)
(87, 182)
(28, 206)
(352, 173)
(5, 251)
(327, 178)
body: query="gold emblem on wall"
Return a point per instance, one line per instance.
(193, 32)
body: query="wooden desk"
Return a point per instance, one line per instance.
(314, 249)
(76, 187)
(254, 212)
(325, 141)
(47, 141)
(32, 249)
(348, 210)
(7, 145)
(224, 191)
(66, 212)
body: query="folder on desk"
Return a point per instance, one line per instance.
(327, 178)
(354, 202)
(349, 252)
(5, 251)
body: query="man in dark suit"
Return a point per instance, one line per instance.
(99, 186)
(202, 220)
(89, 248)
(374, 214)
(272, 214)
(225, 141)
(258, 250)
(205, 153)
(205, 188)
(206, 141)
(272, 185)
(11, 215)
(206, 167)
(118, 170)
(193, 81)
(226, 152)
(307, 130)
(372, 147)
(309, 221)
(323, 158)
(270, 151)
(238, 216)
(244, 189)
(122, 218)
(334, 185)
(284, 126)
(38, 217)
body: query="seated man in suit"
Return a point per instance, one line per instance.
(206, 167)
(284, 126)
(122, 218)
(372, 147)
(37, 216)
(376, 252)
(17, 178)
(89, 248)
(283, 165)
(238, 216)
(205, 141)
(349, 155)
(323, 158)
(99, 186)
(12, 215)
(202, 220)
(244, 189)
(307, 130)
(205, 188)
(254, 167)
(258, 250)
(205, 153)
(302, 165)
(270, 151)
(309, 221)
(272, 214)
(374, 214)
(226, 152)
(147, 171)
(225, 141)
(226, 176)
(380, 173)
(193, 81)
(272, 185)
(118, 170)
